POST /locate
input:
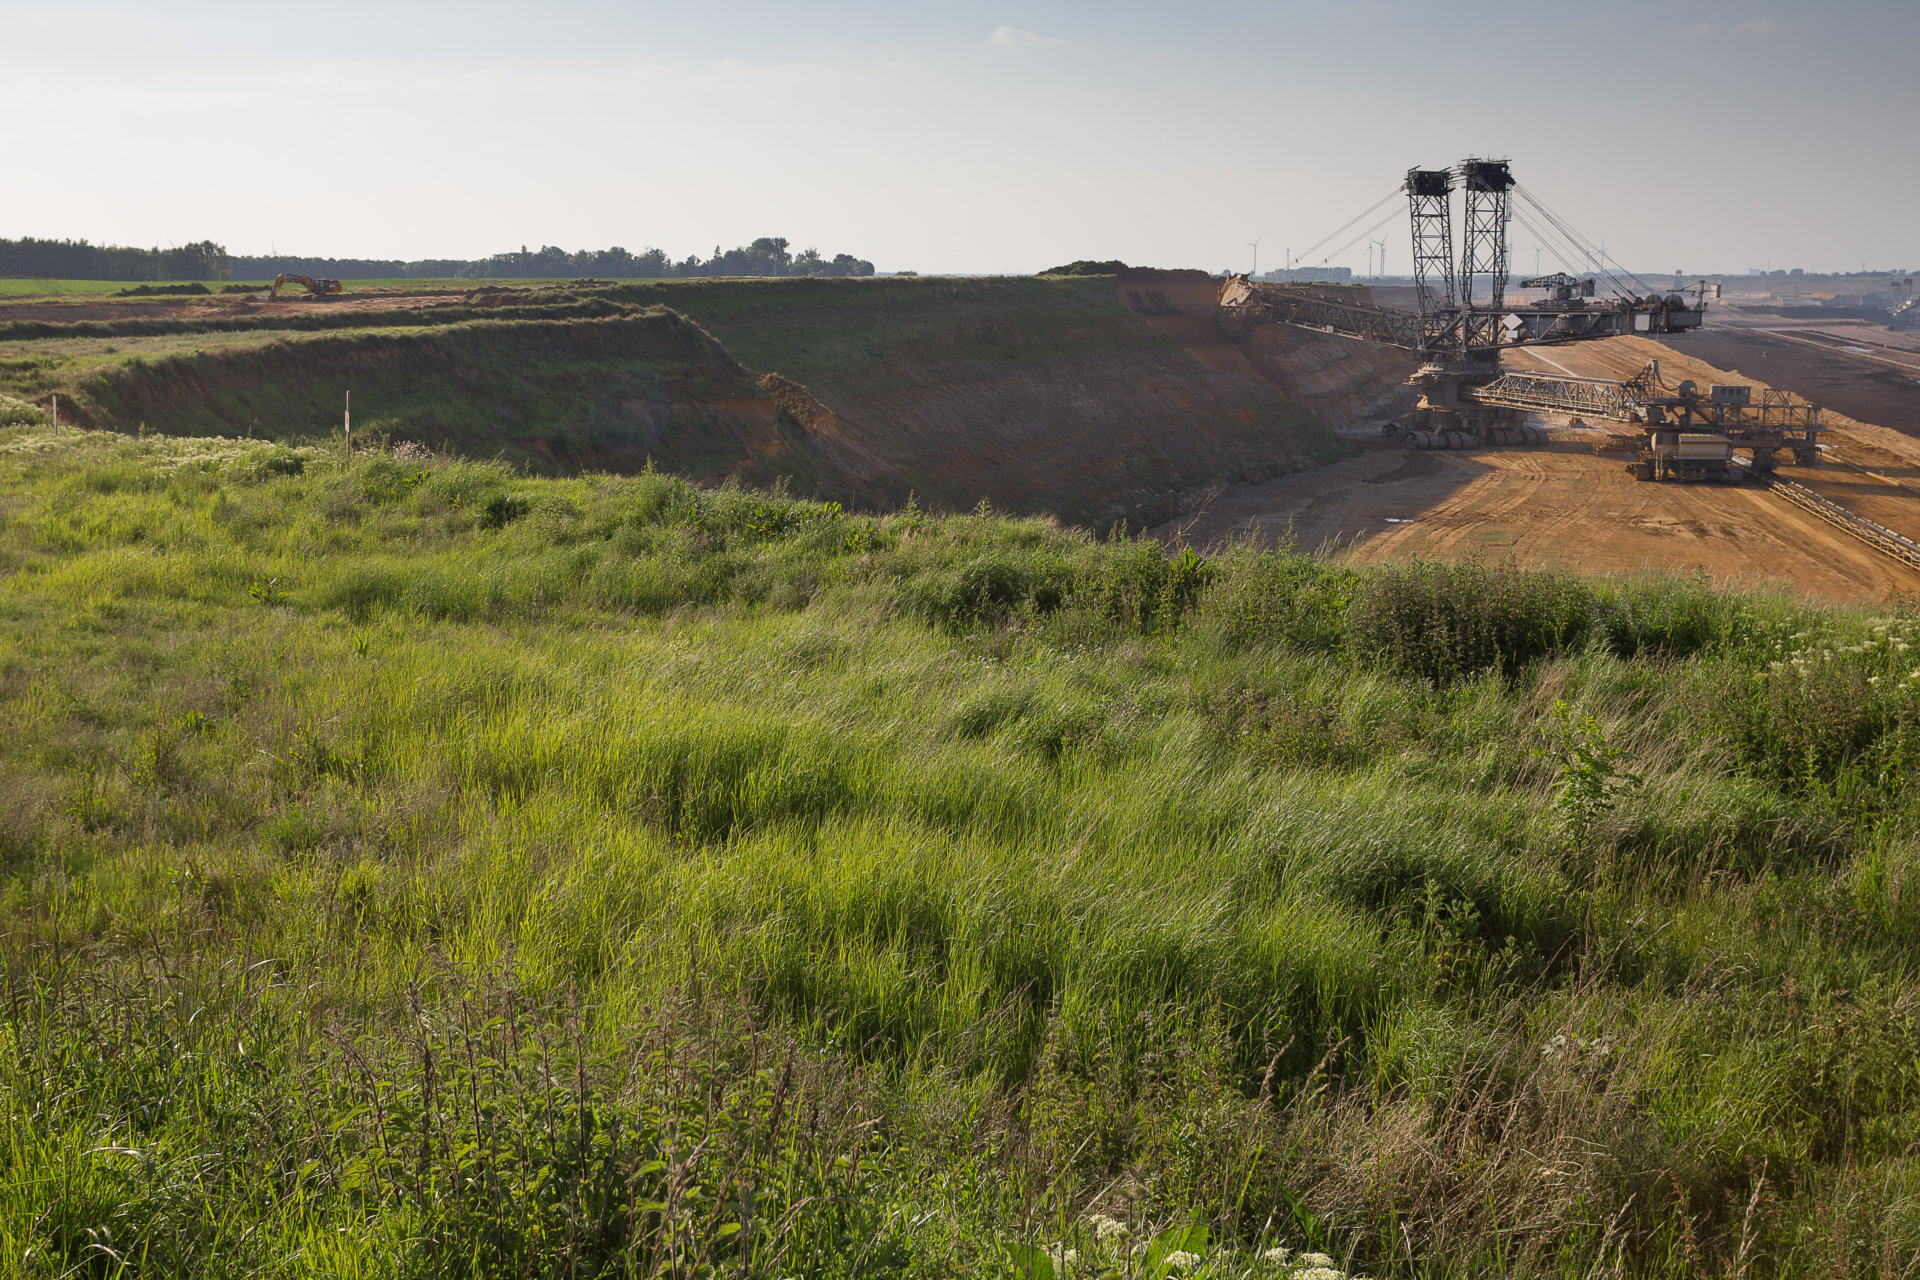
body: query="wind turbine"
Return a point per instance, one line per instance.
(1254, 244)
(1383, 259)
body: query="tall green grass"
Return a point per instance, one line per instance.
(412, 867)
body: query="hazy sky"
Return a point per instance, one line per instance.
(960, 136)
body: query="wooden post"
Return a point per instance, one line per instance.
(346, 423)
(56, 410)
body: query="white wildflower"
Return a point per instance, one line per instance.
(1105, 1228)
(1318, 1273)
(1276, 1256)
(1321, 1259)
(1181, 1260)
(1063, 1257)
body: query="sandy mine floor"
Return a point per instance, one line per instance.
(1564, 506)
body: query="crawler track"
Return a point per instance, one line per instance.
(1877, 536)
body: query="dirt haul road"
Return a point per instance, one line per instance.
(1563, 506)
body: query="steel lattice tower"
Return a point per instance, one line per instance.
(1483, 246)
(1430, 196)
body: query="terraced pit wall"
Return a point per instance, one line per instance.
(1038, 395)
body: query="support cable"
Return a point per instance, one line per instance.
(1550, 242)
(1391, 217)
(1616, 281)
(1365, 213)
(1580, 243)
(1573, 234)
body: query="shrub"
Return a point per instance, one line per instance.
(1446, 622)
(18, 413)
(1664, 616)
(1260, 599)
(1823, 726)
(1137, 585)
(497, 510)
(990, 585)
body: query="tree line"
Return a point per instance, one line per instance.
(79, 260)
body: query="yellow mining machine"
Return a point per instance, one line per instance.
(1464, 322)
(319, 287)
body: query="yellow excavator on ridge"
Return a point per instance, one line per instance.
(318, 288)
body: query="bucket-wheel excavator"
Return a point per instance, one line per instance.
(1464, 322)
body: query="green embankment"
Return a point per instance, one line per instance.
(58, 288)
(557, 393)
(409, 867)
(1037, 395)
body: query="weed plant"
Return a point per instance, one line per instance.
(409, 867)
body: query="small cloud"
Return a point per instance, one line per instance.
(1757, 27)
(1015, 38)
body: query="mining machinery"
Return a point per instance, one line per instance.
(1463, 323)
(319, 286)
(1685, 432)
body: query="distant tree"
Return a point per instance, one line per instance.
(78, 260)
(205, 260)
(1088, 267)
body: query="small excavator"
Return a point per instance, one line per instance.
(318, 288)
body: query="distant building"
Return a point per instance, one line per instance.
(1314, 275)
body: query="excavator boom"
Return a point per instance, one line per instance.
(318, 287)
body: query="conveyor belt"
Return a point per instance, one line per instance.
(1877, 536)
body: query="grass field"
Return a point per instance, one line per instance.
(416, 868)
(11, 288)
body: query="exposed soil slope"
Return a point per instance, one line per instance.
(1340, 379)
(1039, 395)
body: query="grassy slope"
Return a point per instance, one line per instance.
(412, 866)
(15, 288)
(555, 392)
(1040, 395)
(21, 288)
